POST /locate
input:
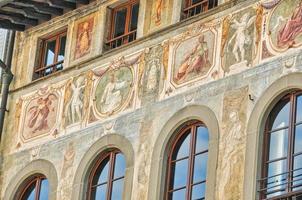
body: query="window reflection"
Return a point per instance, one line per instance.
(282, 164)
(188, 164)
(36, 189)
(108, 177)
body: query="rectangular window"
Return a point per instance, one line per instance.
(194, 7)
(52, 55)
(123, 24)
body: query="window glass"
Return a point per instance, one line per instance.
(134, 17)
(180, 173)
(50, 53)
(179, 195)
(280, 115)
(120, 166)
(108, 179)
(200, 167)
(282, 153)
(199, 191)
(120, 22)
(30, 192)
(299, 109)
(184, 147)
(188, 163)
(117, 189)
(202, 139)
(44, 190)
(36, 189)
(102, 173)
(99, 192)
(277, 178)
(278, 144)
(298, 139)
(297, 175)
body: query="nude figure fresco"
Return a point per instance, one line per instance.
(239, 40)
(84, 37)
(40, 116)
(74, 101)
(193, 57)
(285, 25)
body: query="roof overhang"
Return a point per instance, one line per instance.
(21, 14)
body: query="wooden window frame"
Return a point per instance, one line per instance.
(40, 70)
(291, 98)
(192, 125)
(38, 179)
(110, 179)
(189, 9)
(112, 41)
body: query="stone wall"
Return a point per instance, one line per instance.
(223, 60)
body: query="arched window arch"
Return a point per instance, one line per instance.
(35, 188)
(187, 163)
(106, 180)
(281, 174)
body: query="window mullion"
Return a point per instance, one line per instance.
(127, 26)
(113, 17)
(38, 188)
(57, 49)
(169, 175)
(191, 162)
(110, 180)
(290, 141)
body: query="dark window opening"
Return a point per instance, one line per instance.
(123, 24)
(195, 7)
(52, 55)
(282, 151)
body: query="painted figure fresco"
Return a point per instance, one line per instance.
(151, 74)
(67, 172)
(84, 37)
(238, 39)
(232, 144)
(114, 87)
(158, 8)
(40, 116)
(191, 63)
(74, 100)
(112, 97)
(285, 24)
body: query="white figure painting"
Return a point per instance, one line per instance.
(76, 104)
(112, 97)
(240, 36)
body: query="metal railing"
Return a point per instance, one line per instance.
(121, 40)
(282, 186)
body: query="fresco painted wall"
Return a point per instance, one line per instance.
(217, 61)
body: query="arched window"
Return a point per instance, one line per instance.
(187, 163)
(35, 188)
(282, 150)
(107, 177)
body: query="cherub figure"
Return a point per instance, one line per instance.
(240, 36)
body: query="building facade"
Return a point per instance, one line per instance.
(154, 99)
